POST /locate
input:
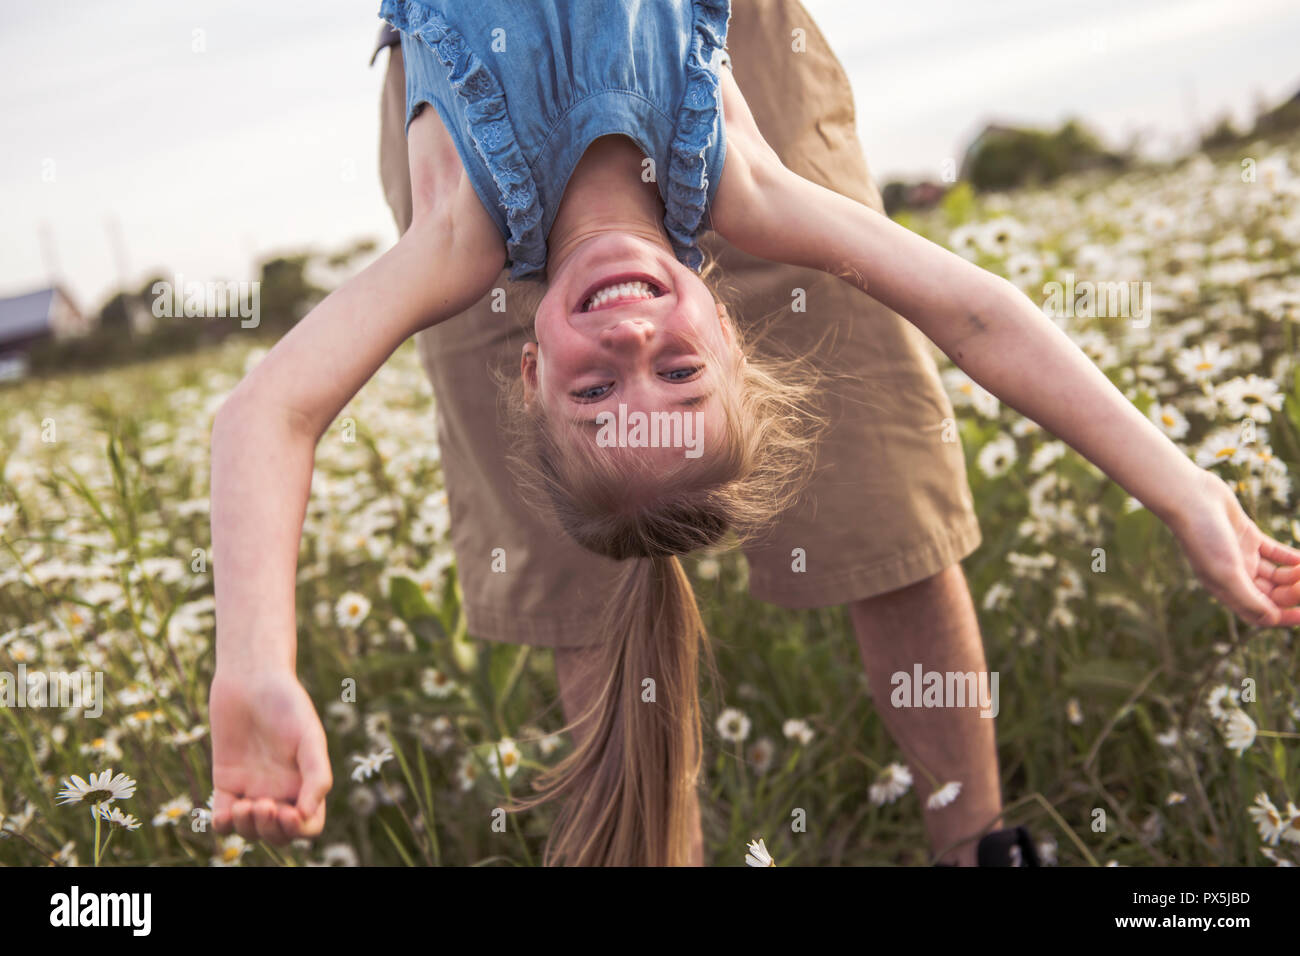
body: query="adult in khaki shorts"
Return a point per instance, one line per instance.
(887, 517)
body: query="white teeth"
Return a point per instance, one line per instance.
(637, 289)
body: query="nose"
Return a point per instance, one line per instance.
(631, 332)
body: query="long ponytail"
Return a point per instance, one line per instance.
(629, 780)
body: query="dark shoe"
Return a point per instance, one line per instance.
(1010, 847)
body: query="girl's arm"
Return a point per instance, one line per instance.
(265, 741)
(265, 433)
(994, 333)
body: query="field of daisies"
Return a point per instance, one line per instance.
(1140, 724)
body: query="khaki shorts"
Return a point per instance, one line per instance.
(889, 504)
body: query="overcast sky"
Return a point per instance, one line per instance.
(127, 152)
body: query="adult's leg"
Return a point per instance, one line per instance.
(932, 623)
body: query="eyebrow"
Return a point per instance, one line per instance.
(684, 403)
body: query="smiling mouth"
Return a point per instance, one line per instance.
(620, 290)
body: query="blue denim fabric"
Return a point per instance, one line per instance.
(525, 86)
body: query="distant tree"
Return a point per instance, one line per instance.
(1004, 157)
(1224, 133)
(1283, 118)
(343, 258)
(116, 312)
(894, 196)
(286, 292)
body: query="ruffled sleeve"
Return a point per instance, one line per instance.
(698, 121)
(490, 126)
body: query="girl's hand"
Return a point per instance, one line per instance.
(1255, 576)
(270, 764)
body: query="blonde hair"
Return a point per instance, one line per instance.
(630, 779)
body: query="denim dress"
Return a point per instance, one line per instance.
(524, 87)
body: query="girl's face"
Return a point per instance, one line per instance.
(664, 346)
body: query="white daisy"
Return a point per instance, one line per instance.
(144, 719)
(944, 795)
(8, 512)
(964, 240)
(798, 729)
(1074, 712)
(342, 715)
(758, 855)
(115, 816)
(510, 757)
(437, 684)
(1047, 851)
(103, 788)
(964, 391)
(1069, 583)
(443, 732)
(369, 764)
(1222, 445)
(172, 812)
(1267, 819)
(351, 609)
(1044, 455)
(1168, 419)
(707, 569)
(997, 596)
(760, 754)
(1175, 797)
(67, 855)
(1292, 832)
(1025, 426)
(1250, 397)
(894, 781)
(183, 737)
(467, 772)
(362, 800)
(230, 849)
(340, 854)
(997, 456)
(105, 746)
(1239, 731)
(18, 822)
(1222, 700)
(378, 726)
(733, 725)
(1000, 236)
(1201, 362)
(1159, 220)
(1024, 269)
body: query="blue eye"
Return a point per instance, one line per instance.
(689, 373)
(591, 394)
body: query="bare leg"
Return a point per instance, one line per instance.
(573, 667)
(933, 623)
